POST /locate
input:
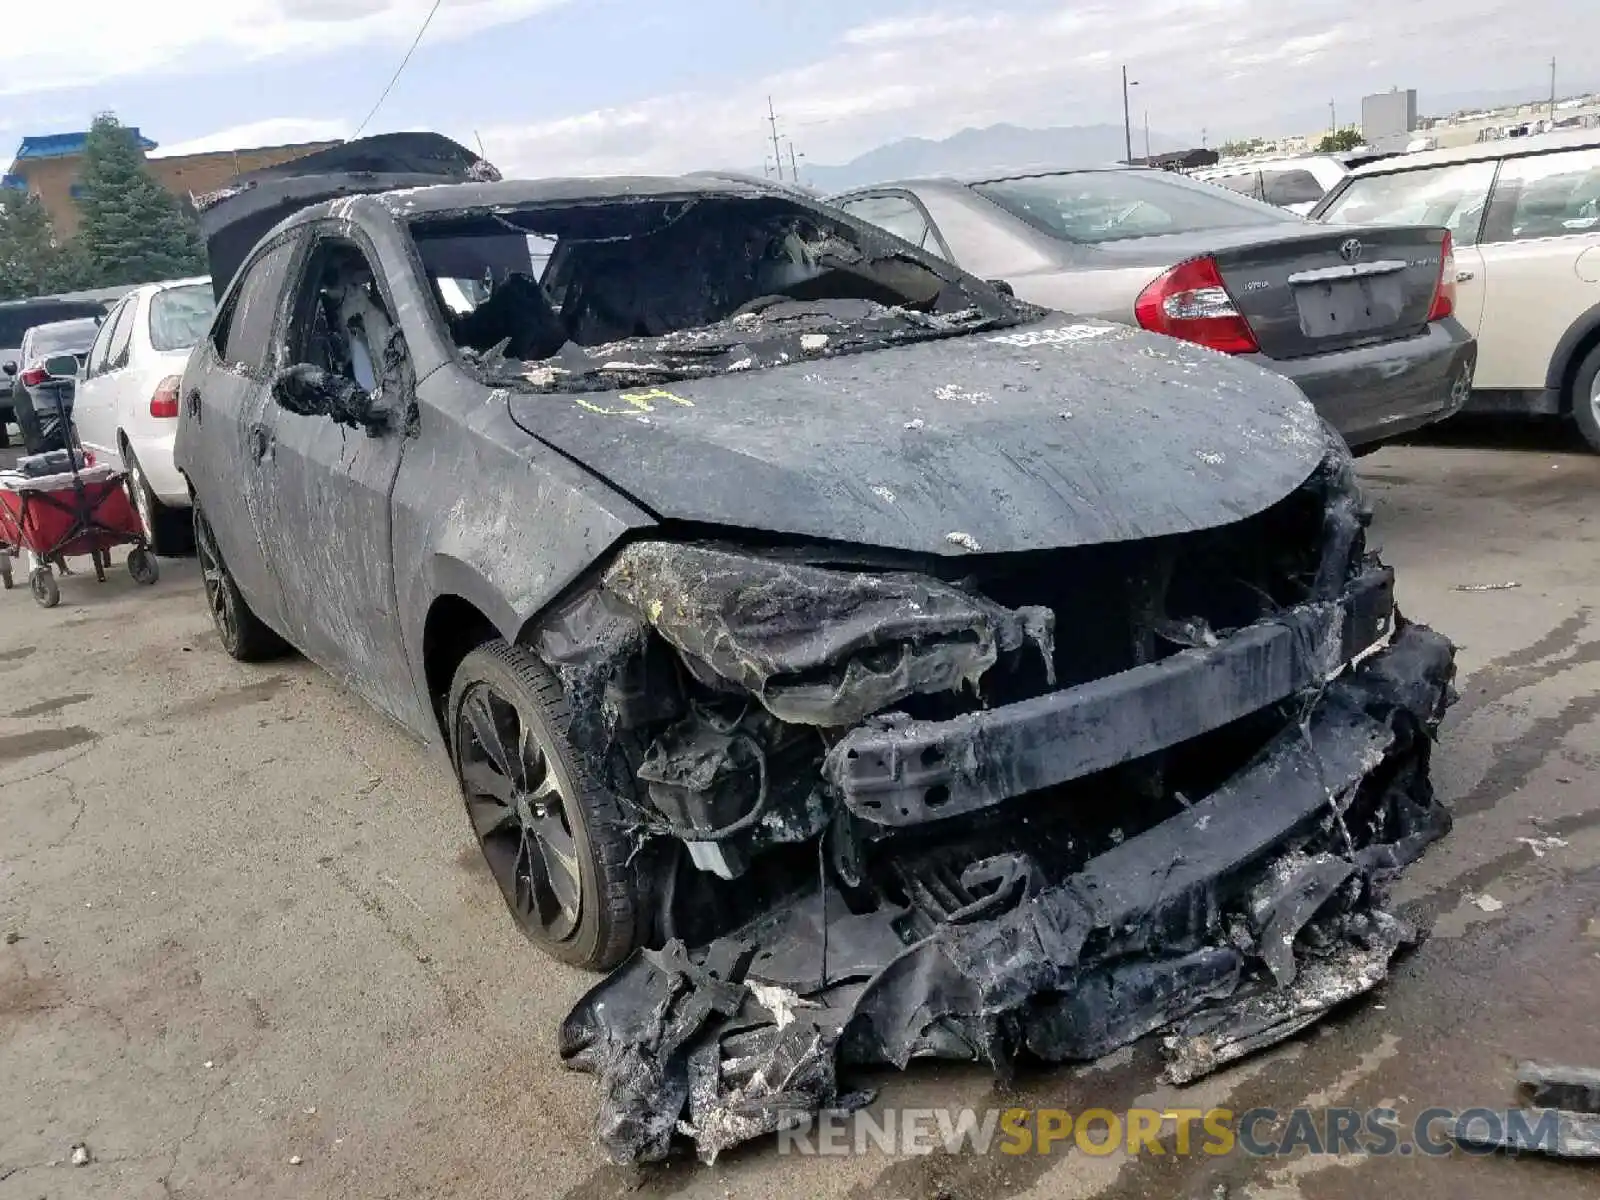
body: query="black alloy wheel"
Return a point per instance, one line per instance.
(549, 835)
(243, 634)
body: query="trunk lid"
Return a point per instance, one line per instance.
(1322, 288)
(1058, 434)
(233, 219)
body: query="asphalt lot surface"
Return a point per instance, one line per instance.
(252, 926)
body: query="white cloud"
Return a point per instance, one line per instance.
(1232, 65)
(71, 43)
(901, 29)
(274, 131)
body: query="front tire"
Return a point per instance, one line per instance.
(243, 634)
(1586, 399)
(551, 834)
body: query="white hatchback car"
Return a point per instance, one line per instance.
(1524, 214)
(126, 409)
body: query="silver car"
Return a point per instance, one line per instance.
(37, 392)
(1360, 318)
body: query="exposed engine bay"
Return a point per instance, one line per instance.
(1029, 806)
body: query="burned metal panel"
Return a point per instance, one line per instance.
(992, 442)
(815, 646)
(487, 514)
(1166, 930)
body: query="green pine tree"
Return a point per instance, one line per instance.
(133, 230)
(31, 264)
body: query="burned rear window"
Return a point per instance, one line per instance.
(616, 293)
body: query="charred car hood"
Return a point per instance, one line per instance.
(1055, 434)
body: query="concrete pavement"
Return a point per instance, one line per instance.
(252, 926)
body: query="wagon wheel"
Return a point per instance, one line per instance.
(100, 563)
(43, 585)
(142, 566)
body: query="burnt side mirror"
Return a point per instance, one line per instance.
(310, 391)
(1004, 288)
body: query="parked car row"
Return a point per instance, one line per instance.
(1518, 273)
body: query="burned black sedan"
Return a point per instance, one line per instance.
(863, 664)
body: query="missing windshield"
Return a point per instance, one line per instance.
(592, 295)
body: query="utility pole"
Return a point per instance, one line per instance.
(777, 154)
(1147, 137)
(1552, 91)
(794, 169)
(1333, 118)
(1127, 121)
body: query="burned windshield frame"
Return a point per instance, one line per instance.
(737, 251)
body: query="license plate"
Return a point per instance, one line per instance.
(1348, 306)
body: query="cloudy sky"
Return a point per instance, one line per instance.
(580, 86)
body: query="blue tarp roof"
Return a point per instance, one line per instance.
(61, 145)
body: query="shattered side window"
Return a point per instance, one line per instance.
(623, 292)
(245, 336)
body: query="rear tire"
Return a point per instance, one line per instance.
(1586, 399)
(169, 531)
(5, 431)
(243, 634)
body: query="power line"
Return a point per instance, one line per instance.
(395, 78)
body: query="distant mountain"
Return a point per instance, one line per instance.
(999, 147)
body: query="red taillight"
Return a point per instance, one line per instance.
(1444, 294)
(34, 374)
(1190, 302)
(164, 403)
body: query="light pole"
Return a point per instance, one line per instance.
(1127, 116)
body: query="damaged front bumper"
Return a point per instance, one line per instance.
(1235, 921)
(902, 773)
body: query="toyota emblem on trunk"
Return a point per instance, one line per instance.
(1350, 249)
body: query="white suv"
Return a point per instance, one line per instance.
(1525, 215)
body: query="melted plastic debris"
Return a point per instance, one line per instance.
(1229, 925)
(965, 540)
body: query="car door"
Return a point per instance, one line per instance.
(92, 410)
(225, 390)
(1542, 227)
(101, 381)
(321, 487)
